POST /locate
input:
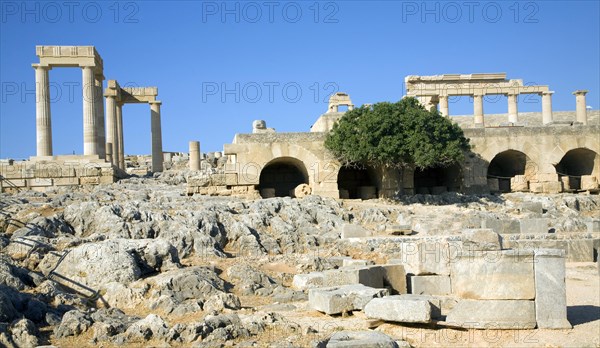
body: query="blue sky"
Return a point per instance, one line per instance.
(219, 65)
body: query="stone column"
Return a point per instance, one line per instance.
(90, 121)
(157, 154)
(444, 109)
(194, 155)
(43, 120)
(120, 146)
(513, 113)
(478, 109)
(111, 128)
(547, 107)
(581, 113)
(109, 153)
(100, 115)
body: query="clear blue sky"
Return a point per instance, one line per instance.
(272, 50)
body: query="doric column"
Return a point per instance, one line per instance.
(547, 107)
(581, 112)
(43, 120)
(513, 113)
(157, 154)
(100, 115)
(90, 121)
(194, 155)
(121, 145)
(444, 109)
(111, 127)
(478, 109)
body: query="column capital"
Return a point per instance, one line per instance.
(40, 66)
(478, 95)
(155, 102)
(512, 94)
(547, 93)
(580, 92)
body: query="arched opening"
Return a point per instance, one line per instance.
(281, 176)
(356, 183)
(438, 180)
(576, 163)
(507, 165)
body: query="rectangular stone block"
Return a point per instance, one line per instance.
(39, 182)
(493, 184)
(421, 258)
(400, 309)
(580, 250)
(89, 180)
(552, 187)
(66, 181)
(519, 183)
(430, 285)
(550, 289)
(354, 231)
(535, 226)
(308, 281)
(501, 226)
(336, 300)
(106, 180)
(493, 314)
(536, 187)
(593, 226)
(532, 207)
(394, 276)
(369, 276)
(589, 182)
(542, 177)
(356, 263)
(493, 275)
(480, 239)
(15, 182)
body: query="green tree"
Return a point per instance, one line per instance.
(396, 135)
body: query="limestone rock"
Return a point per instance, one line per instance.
(400, 308)
(73, 323)
(358, 339)
(493, 314)
(481, 239)
(341, 299)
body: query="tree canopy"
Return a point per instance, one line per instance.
(396, 135)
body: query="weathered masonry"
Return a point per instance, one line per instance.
(547, 152)
(103, 152)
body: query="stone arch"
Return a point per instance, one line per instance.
(352, 180)
(576, 163)
(508, 164)
(437, 180)
(280, 176)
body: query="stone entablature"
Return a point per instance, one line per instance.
(116, 97)
(436, 89)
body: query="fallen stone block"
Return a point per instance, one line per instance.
(481, 239)
(308, 280)
(552, 187)
(370, 276)
(354, 231)
(589, 182)
(550, 289)
(336, 300)
(533, 207)
(580, 250)
(493, 314)
(400, 308)
(362, 339)
(394, 276)
(421, 258)
(354, 263)
(501, 226)
(399, 229)
(494, 275)
(519, 183)
(537, 225)
(430, 285)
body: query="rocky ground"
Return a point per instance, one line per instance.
(139, 263)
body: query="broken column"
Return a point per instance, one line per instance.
(43, 121)
(581, 112)
(550, 289)
(157, 155)
(194, 155)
